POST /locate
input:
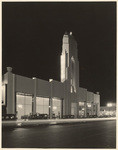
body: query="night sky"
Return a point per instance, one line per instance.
(32, 41)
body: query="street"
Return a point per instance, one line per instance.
(100, 134)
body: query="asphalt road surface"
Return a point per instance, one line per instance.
(99, 134)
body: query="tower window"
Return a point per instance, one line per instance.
(66, 59)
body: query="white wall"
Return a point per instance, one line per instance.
(24, 84)
(90, 96)
(82, 94)
(96, 98)
(57, 89)
(43, 88)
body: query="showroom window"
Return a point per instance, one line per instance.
(56, 103)
(23, 105)
(42, 105)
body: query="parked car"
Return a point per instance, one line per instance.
(68, 116)
(9, 117)
(38, 116)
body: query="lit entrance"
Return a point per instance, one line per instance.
(23, 105)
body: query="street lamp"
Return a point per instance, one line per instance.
(109, 105)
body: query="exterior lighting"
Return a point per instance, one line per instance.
(109, 105)
(70, 33)
(20, 106)
(19, 124)
(89, 105)
(50, 80)
(54, 108)
(81, 103)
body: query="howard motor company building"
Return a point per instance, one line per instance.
(25, 96)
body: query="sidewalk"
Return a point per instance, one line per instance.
(21, 123)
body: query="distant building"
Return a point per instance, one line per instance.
(109, 110)
(25, 96)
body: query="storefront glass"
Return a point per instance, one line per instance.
(56, 103)
(23, 105)
(81, 109)
(89, 109)
(73, 109)
(42, 105)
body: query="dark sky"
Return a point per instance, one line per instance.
(32, 41)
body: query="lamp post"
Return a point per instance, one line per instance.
(109, 105)
(50, 101)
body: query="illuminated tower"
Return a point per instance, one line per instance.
(69, 70)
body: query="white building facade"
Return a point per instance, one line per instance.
(25, 96)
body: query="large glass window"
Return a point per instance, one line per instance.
(81, 109)
(23, 105)
(42, 105)
(81, 103)
(56, 103)
(81, 113)
(89, 109)
(73, 108)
